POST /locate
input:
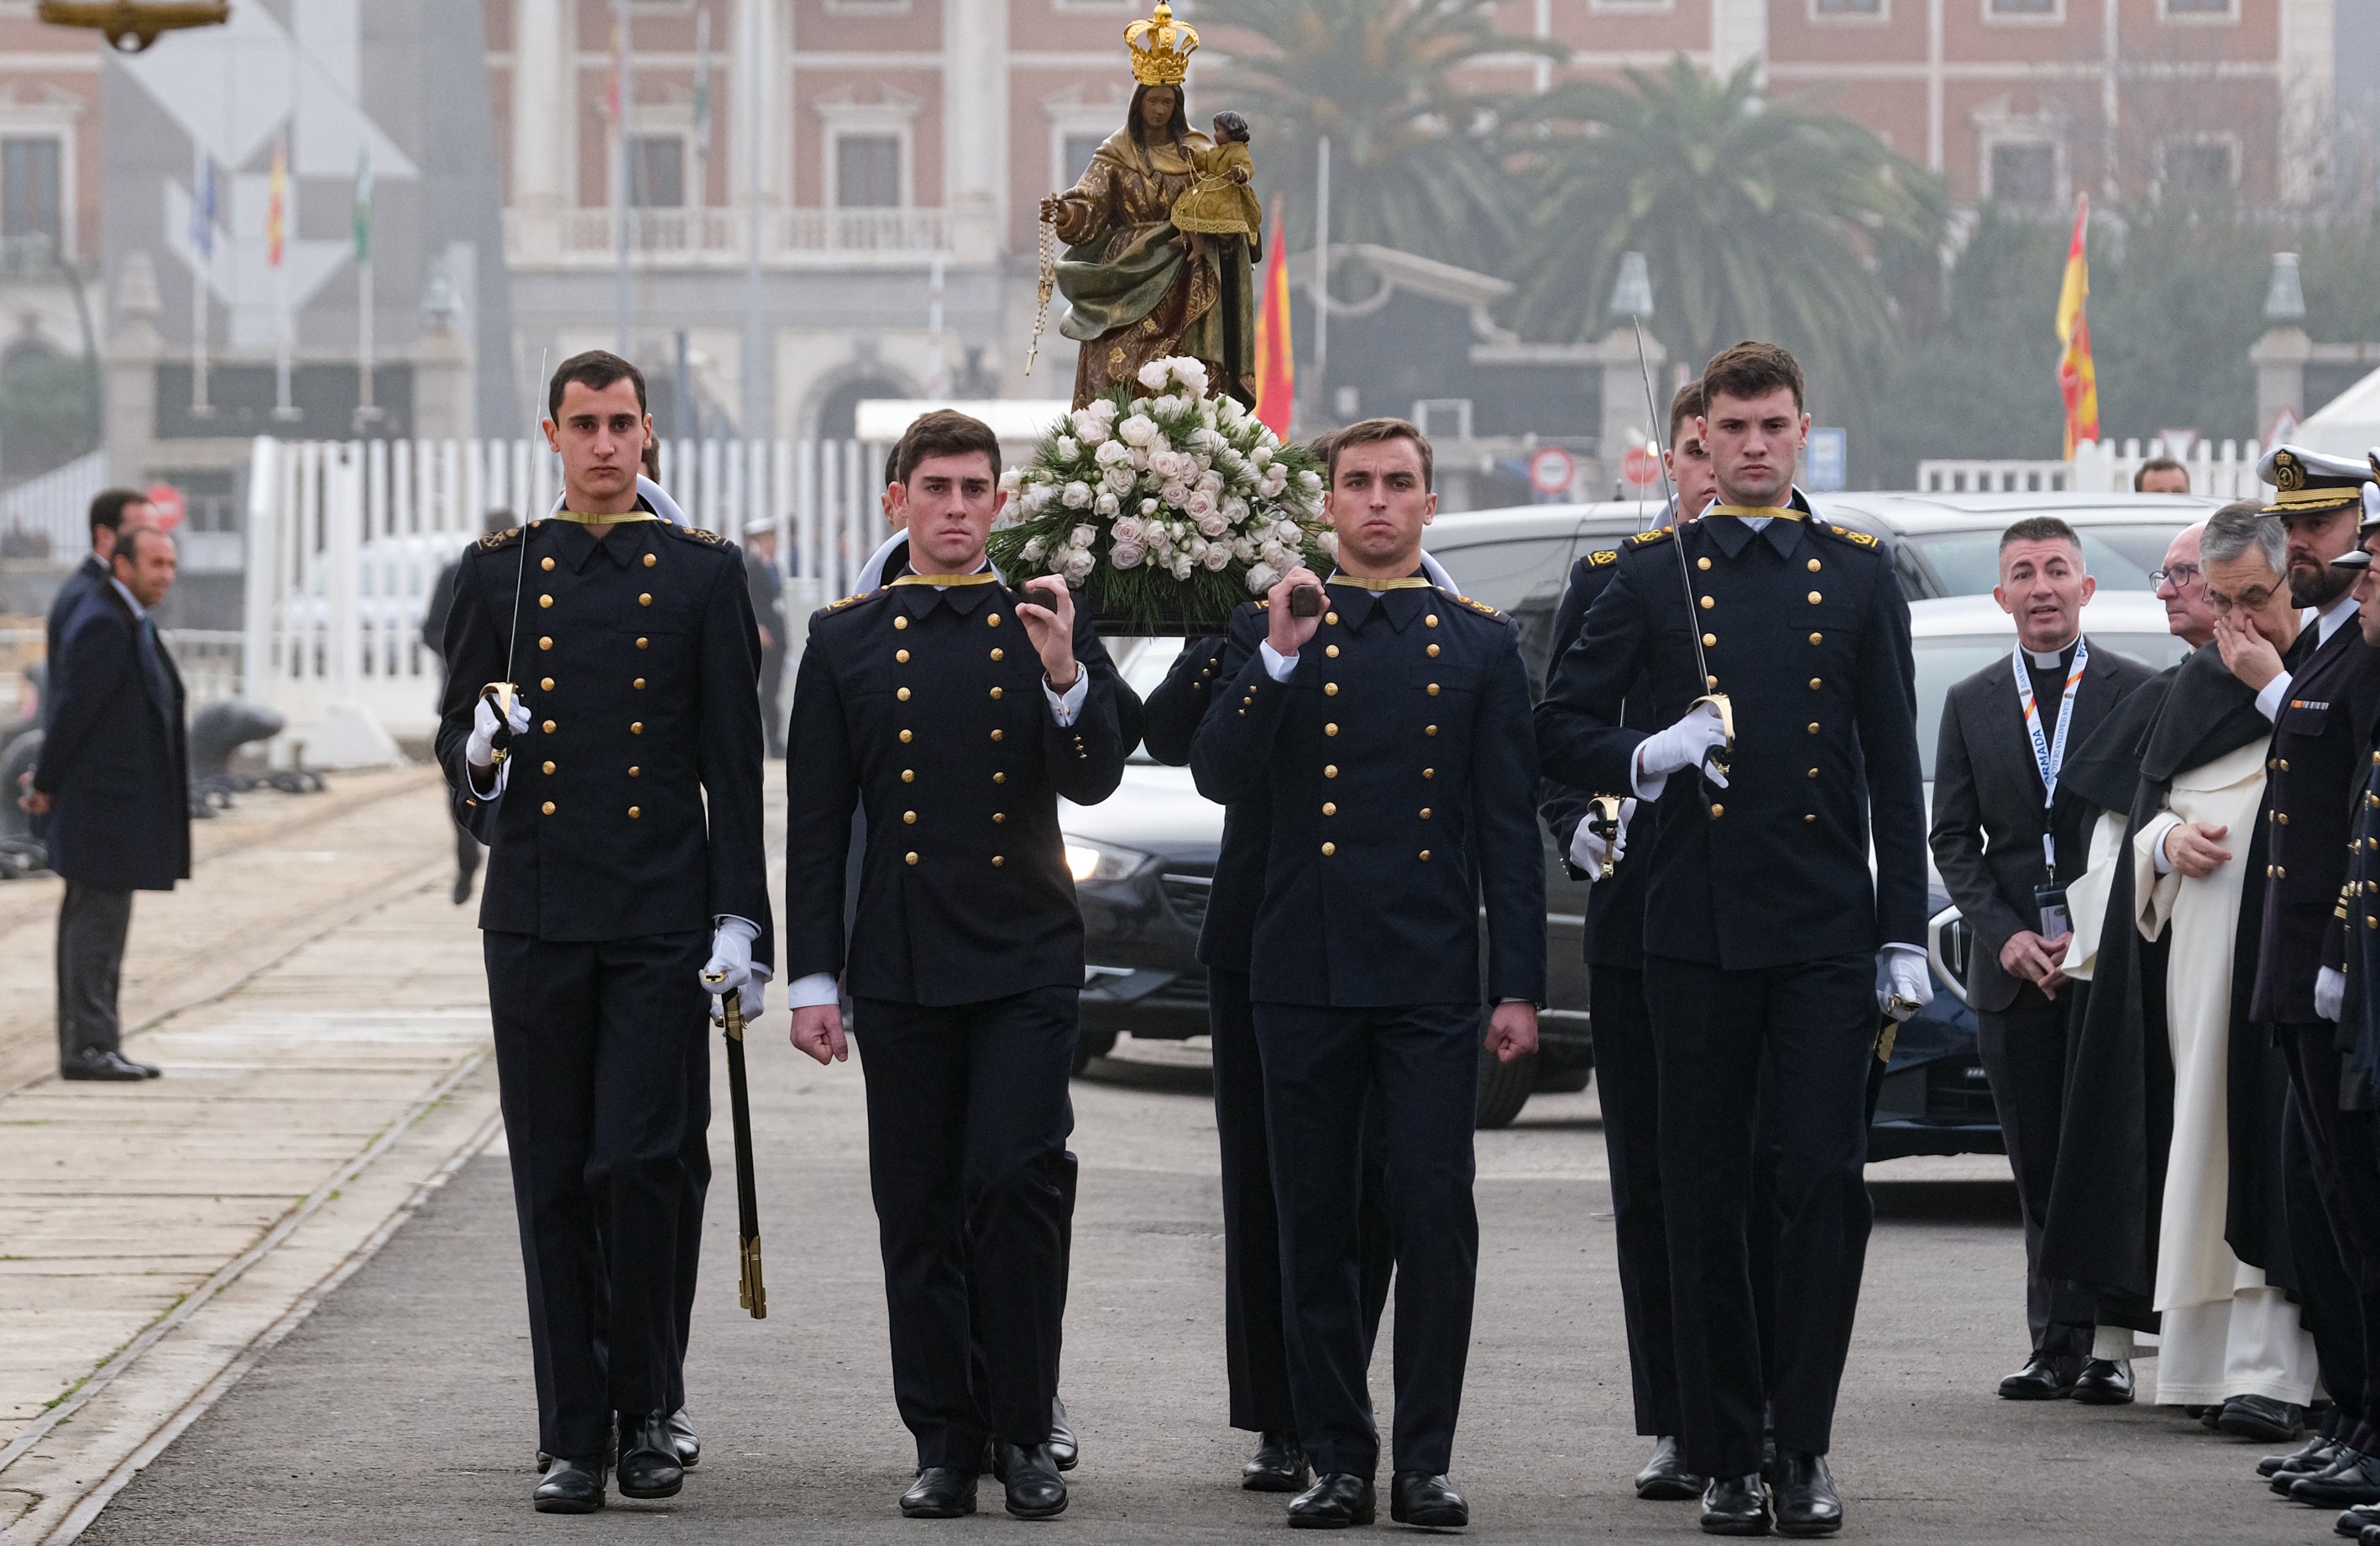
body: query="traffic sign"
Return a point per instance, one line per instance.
(1551, 469)
(1828, 458)
(166, 500)
(1640, 466)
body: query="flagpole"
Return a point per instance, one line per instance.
(622, 299)
(285, 405)
(367, 412)
(202, 243)
(1321, 259)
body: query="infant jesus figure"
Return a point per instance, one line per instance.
(1220, 203)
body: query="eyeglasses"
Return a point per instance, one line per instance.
(2179, 576)
(2249, 600)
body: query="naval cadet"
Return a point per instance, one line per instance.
(625, 867)
(1388, 733)
(1771, 946)
(956, 711)
(1627, 1077)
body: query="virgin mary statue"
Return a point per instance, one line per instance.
(1135, 293)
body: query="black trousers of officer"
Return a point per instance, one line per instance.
(2023, 1052)
(595, 1051)
(1321, 1068)
(2330, 1173)
(1628, 1086)
(1255, 1351)
(967, 1118)
(1796, 1041)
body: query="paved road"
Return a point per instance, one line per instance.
(402, 1410)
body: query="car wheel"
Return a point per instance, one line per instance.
(1503, 1089)
(1089, 1044)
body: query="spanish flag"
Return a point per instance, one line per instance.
(2078, 380)
(1276, 372)
(276, 204)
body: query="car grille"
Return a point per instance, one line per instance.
(1957, 1092)
(1187, 893)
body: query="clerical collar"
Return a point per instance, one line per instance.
(2050, 660)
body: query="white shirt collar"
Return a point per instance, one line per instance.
(2332, 616)
(2052, 659)
(129, 598)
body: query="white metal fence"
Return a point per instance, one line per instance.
(346, 541)
(54, 510)
(2224, 470)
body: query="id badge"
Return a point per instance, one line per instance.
(2050, 900)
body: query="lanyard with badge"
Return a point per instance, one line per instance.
(2048, 757)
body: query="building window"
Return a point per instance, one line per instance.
(2024, 10)
(1848, 10)
(2200, 10)
(32, 187)
(2022, 174)
(867, 172)
(1636, 6)
(2197, 168)
(656, 172)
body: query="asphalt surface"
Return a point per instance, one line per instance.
(403, 1411)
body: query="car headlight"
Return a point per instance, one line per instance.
(1088, 860)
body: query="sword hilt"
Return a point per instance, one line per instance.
(1603, 818)
(750, 1292)
(731, 1005)
(1724, 759)
(506, 696)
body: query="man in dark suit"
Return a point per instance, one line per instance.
(768, 588)
(958, 712)
(1771, 946)
(2005, 839)
(114, 779)
(433, 639)
(112, 513)
(1389, 734)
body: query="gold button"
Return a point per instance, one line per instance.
(634, 812)
(997, 861)
(2285, 764)
(1424, 856)
(640, 684)
(545, 600)
(546, 563)
(1431, 620)
(998, 692)
(991, 620)
(650, 561)
(1815, 637)
(1711, 682)
(998, 655)
(1330, 770)
(2268, 872)
(1813, 684)
(2280, 871)
(998, 735)
(1000, 778)
(549, 767)
(547, 683)
(909, 776)
(1329, 807)
(905, 736)
(1718, 810)
(1813, 772)
(1425, 813)
(1814, 566)
(1810, 816)
(646, 599)
(910, 817)
(643, 642)
(1429, 729)
(635, 727)
(900, 622)
(1710, 640)
(902, 695)
(548, 727)
(1329, 848)
(548, 644)
(1709, 603)
(1433, 690)
(901, 655)
(548, 808)
(1332, 651)
(1432, 652)
(998, 817)
(1330, 730)
(1702, 563)
(1330, 617)
(1814, 598)
(1430, 772)
(911, 856)
(635, 773)
(1329, 689)
(2282, 817)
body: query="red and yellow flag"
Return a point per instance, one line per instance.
(1276, 372)
(276, 206)
(2078, 379)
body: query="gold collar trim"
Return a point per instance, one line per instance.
(579, 517)
(981, 577)
(1403, 582)
(1756, 512)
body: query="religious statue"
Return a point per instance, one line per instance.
(1139, 284)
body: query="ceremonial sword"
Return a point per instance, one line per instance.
(750, 1292)
(1724, 758)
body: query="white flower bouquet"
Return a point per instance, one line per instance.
(1164, 511)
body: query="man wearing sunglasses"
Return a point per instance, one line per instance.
(2181, 586)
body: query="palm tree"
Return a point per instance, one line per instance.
(1415, 154)
(1758, 219)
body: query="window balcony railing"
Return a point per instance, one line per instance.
(716, 238)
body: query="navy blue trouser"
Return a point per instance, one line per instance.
(1322, 1067)
(598, 1046)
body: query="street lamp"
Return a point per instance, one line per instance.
(132, 25)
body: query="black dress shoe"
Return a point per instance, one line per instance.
(2315, 1455)
(1735, 1505)
(2105, 1383)
(2356, 1520)
(570, 1487)
(1337, 1500)
(2370, 1536)
(1279, 1465)
(1429, 1502)
(2044, 1377)
(939, 1493)
(462, 888)
(108, 1067)
(684, 1439)
(1807, 1502)
(2262, 1418)
(611, 1451)
(649, 1464)
(1036, 1490)
(1062, 1446)
(2355, 1478)
(1665, 1478)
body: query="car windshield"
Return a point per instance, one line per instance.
(2119, 557)
(1947, 660)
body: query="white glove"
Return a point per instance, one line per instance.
(2330, 994)
(1902, 971)
(1590, 852)
(1686, 743)
(729, 968)
(479, 749)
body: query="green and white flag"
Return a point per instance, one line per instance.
(363, 205)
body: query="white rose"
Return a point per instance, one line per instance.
(1033, 550)
(1152, 375)
(1181, 565)
(1236, 510)
(1329, 540)
(1082, 536)
(1211, 481)
(1263, 577)
(1089, 427)
(1111, 453)
(1078, 567)
(1126, 556)
(1107, 505)
(1130, 529)
(1275, 480)
(1218, 556)
(1174, 494)
(1260, 456)
(1105, 408)
(1012, 478)
(1137, 429)
(1214, 524)
(1077, 496)
(1310, 481)
(1191, 374)
(1149, 507)
(1201, 504)
(1243, 550)
(1278, 556)
(1166, 407)
(1118, 480)
(1068, 449)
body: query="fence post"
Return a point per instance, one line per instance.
(260, 593)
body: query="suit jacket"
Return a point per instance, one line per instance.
(115, 762)
(80, 582)
(1988, 818)
(925, 708)
(1174, 711)
(2320, 750)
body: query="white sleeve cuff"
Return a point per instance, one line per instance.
(1276, 665)
(809, 992)
(504, 771)
(1066, 705)
(2269, 701)
(1907, 949)
(1646, 787)
(2158, 855)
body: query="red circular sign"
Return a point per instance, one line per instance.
(1550, 470)
(166, 500)
(1640, 466)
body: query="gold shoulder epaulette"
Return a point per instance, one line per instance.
(855, 596)
(1480, 607)
(1658, 534)
(1861, 539)
(1601, 556)
(495, 540)
(1265, 603)
(694, 534)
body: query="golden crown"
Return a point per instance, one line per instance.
(1160, 48)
